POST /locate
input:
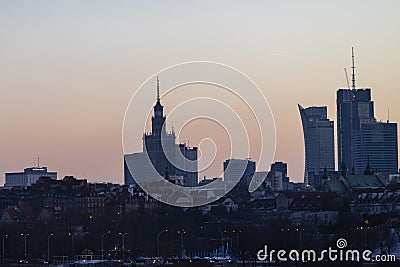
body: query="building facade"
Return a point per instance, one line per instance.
(354, 107)
(280, 167)
(318, 141)
(361, 138)
(377, 143)
(28, 177)
(136, 161)
(235, 169)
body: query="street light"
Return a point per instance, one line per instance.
(182, 233)
(123, 240)
(25, 235)
(158, 237)
(237, 242)
(300, 236)
(4, 237)
(365, 235)
(102, 243)
(222, 242)
(72, 243)
(48, 247)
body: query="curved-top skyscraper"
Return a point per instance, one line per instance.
(318, 141)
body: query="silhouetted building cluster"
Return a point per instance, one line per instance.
(361, 139)
(364, 192)
(75, 208)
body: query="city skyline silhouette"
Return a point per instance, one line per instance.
(68, 73)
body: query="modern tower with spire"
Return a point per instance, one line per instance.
(359, 135)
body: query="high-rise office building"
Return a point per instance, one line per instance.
(128, 177)
(377, 143)
(163, 152)
(190, 154)
(235, 169)
(280, 167)
(360, 137)
(138, 162)
(318, 141)
(277, 178)
(354, 107)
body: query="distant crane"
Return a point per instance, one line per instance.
(347, 78)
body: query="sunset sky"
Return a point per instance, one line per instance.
(68, 69)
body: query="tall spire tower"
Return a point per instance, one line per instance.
(160, 143)
(353, 67)
(158, 119)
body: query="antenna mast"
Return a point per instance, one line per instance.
(353, 67)
(347, 78)
(158, 89)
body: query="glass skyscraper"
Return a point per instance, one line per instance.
(360, 137)
(377, 143)
(353, 108)
(318, 141)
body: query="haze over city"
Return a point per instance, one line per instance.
(69, 69)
